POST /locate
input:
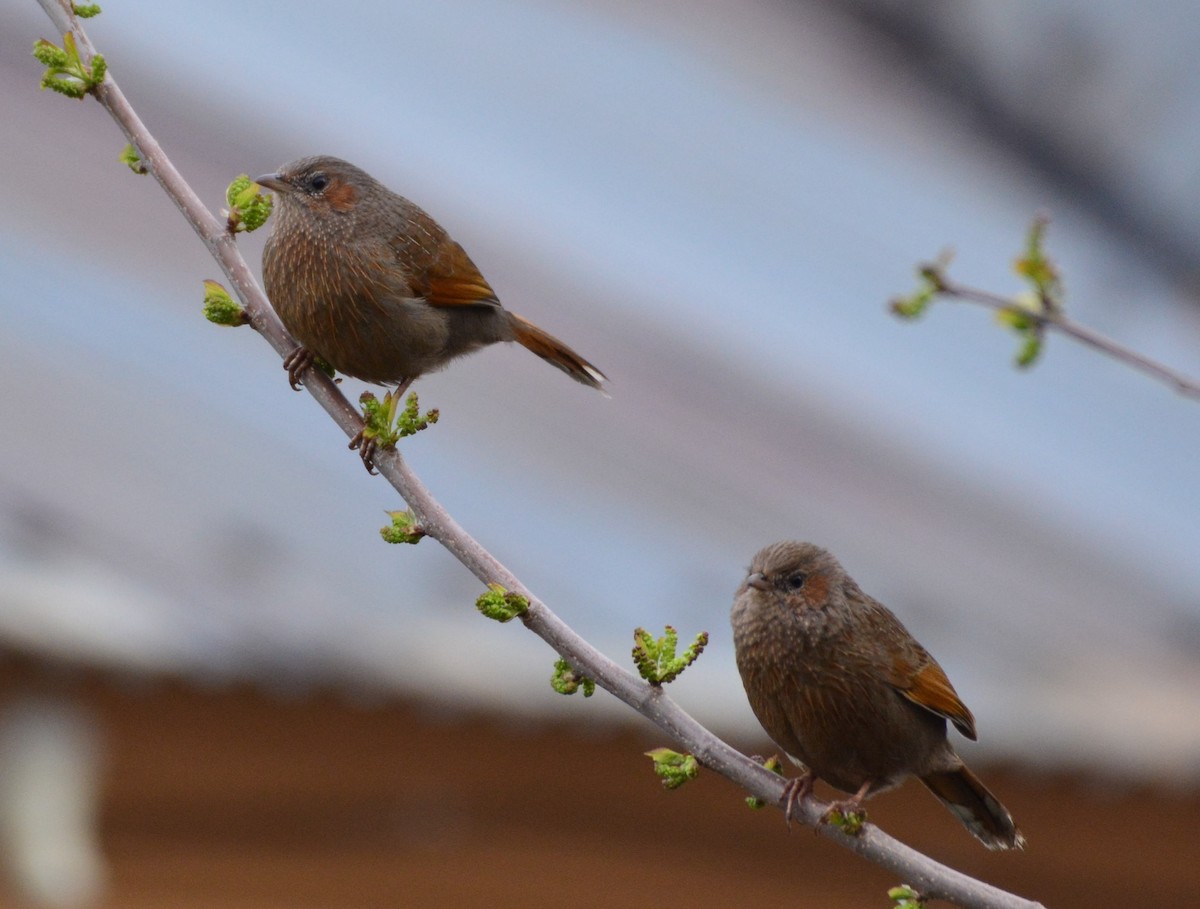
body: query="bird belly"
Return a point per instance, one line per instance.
(383, 343)
(354, 313)
(849, 731)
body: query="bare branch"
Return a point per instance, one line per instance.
(931, 879)
(1030, 315)
(1054, 318)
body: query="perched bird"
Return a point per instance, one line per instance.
(848, 693)
(371, 284)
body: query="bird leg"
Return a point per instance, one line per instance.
(796, 790)
(297, 363)
(366, 447)
(852, 805)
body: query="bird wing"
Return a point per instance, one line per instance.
(928, 687)
(436, 267)
(917, 676)
(453, 280)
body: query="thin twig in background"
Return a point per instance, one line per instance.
(1059, 322)
(1033, 313)
(929, 878)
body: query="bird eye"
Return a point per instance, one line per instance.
(796, 581)
(318, 182)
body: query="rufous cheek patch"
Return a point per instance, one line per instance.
(341, 195)
(816, 588)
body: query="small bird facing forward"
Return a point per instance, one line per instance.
(848, 693)
(370, 283)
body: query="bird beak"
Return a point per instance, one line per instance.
(272, 181)
(758, 581)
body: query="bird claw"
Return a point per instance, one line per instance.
(850, 810)
(380, 423)
(297, 363)
(795, 791)
(843, 807)
(366, 449)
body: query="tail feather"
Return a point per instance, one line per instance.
(980, 811)
(556, 353)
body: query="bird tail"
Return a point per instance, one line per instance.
(556, 353)
(980, 811)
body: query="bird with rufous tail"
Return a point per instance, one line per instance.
(849, 694)
(365, 280)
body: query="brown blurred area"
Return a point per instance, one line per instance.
(232, 797)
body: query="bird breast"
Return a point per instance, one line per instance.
(823, 698)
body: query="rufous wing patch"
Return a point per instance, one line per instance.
(928, 687)
(453, 280)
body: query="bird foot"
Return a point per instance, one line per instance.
(383, 425)
(297, 363)
(847, 814)
(366, 449)
(795, 791)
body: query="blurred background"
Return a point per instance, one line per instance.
(220, 688)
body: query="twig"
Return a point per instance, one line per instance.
(1031, 317)
(933, 880)
(1055, 319)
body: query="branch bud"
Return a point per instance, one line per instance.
(501, 605)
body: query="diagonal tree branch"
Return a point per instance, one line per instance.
(931, 879)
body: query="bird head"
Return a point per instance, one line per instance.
(321, 185)
(795, 576)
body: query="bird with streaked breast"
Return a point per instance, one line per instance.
(839, 683)
(366, 280)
